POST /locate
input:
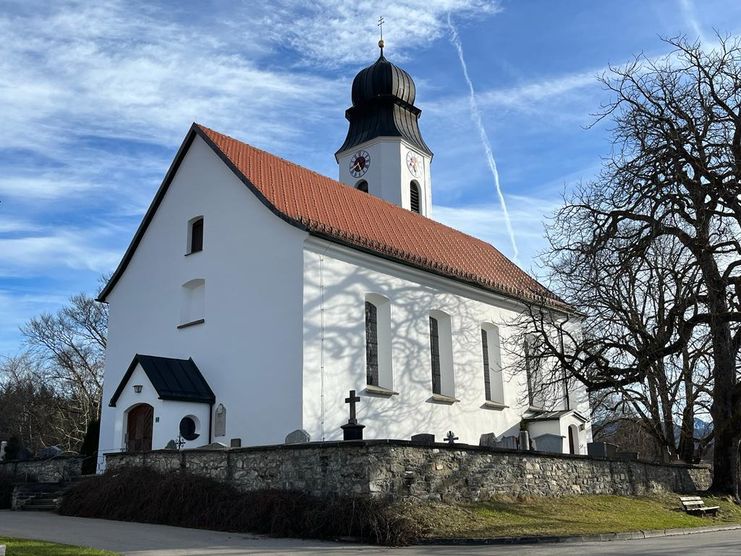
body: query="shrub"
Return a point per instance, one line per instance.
(6, 492)
(186, 500)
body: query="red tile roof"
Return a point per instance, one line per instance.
(331, 209)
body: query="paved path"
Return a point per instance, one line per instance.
(139, 539)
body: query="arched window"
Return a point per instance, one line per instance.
(414, 196)
(371, 343)
(441, 354)
(492, 363)
(195, 235)
(362, 185)
(535, 385)
(378, 341)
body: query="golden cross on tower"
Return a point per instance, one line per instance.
(380, 25)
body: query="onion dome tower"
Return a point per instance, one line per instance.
(384, 153)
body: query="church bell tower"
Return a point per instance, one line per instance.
(384, 153)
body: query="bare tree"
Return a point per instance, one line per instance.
(68, 349)
(650, 250)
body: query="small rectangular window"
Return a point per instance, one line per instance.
(196, 236)
(435, 355)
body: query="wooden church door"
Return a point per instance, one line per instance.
(139, 429)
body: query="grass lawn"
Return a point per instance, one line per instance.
(25, 547)
(571, 515)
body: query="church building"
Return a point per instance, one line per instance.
(256, 294)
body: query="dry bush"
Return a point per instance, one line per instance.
(185, 500)
(6, 491)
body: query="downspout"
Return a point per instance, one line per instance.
(210, 418)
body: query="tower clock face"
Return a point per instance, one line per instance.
(359, 163)
(414, 163)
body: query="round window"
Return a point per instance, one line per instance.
(188, 428)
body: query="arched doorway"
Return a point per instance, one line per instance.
(139, 422)
(573, 439)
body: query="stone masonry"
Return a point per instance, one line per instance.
(58, 469)
(402, 469)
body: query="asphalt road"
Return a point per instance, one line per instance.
(138, 539)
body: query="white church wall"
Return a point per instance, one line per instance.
(249, 347)
(337, 281)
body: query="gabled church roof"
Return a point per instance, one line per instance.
(329, 209)
(173, 379)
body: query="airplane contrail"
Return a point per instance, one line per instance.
(476, 117)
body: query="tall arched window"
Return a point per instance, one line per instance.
(371, 343)
(414, 200)
(441, 354)
(378, 341)
(535, 385)
(362, 185)
(492, 363)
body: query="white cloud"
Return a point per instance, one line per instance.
(57, 248)
(335, 32)
(18, 306)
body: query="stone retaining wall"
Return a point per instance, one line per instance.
(404, 469)
(54, 470)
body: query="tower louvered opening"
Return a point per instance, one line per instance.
(414, 196)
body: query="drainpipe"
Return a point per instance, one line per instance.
(210, 419)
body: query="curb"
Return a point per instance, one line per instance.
(604, 537)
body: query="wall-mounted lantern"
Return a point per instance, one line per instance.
(138, 388)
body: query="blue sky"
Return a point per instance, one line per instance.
(96, 97)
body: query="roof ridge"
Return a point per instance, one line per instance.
(372, 198)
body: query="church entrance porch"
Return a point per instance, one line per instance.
(139, 426)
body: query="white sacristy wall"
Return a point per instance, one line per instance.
(165, 413)
(337, 281)
(249, 347)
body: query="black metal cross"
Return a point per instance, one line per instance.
(352, 400)
(451, 438)
(180, 442)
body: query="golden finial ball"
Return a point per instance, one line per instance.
(380, 43)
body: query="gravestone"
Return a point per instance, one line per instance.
(171, 445)
(352, 430)
(299, 436)
(450, 438)
(213, 446)
(508, 442)
(602, 450)
(235, 443)
(220, 420)
(2, 449)
(488, 439)
(524, 440)
(552, 443)
(627, 456)
(423, 438)
(50, 452)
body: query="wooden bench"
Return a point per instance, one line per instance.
(696, 505)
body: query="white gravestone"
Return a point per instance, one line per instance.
(220, 420)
